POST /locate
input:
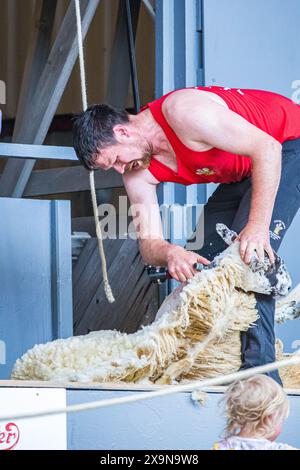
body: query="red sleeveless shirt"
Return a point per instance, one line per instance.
(275, 114)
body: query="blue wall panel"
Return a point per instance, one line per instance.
(255, 44)
(35, 260)
(252, 43)
(173, 422)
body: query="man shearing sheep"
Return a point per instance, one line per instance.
(247, 140)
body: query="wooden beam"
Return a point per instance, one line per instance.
(68, 180)
(38, 51)
(49, 90)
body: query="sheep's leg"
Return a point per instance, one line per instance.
(288, 308)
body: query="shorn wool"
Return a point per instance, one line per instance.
(196, 333)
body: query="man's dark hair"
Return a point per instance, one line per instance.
(93, 131)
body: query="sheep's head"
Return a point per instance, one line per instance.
(263, 278)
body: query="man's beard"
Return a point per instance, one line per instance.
(144, 163)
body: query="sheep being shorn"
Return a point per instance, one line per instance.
(196, 333)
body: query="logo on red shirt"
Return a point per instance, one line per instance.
(204, 171)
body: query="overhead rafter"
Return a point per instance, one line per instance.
(48, 91)
(37, 55)
(69, 180)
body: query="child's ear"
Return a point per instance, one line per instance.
(268, 420)
(267, 423)
(270, 423)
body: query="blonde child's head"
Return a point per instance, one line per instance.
(256, 407)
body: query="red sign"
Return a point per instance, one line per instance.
(9, 436)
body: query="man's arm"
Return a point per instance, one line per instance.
(141, 189)
(210, 123)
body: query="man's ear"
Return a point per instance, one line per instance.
(121, 132)
(226, 234)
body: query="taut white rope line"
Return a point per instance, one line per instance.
(170, 390)
(107, 288)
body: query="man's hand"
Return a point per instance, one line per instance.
(255, 236)
(180, 263)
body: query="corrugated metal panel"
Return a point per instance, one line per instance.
(35, 260)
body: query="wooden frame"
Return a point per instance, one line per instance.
(36, 117)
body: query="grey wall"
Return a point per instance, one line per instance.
(174, 422)
(252, 44)
(255, 44)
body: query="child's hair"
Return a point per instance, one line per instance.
(251, 401)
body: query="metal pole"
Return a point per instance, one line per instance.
(133, 67)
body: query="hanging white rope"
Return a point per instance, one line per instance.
(168, 390)
(149, 8)
(81, 56)
(107, 288)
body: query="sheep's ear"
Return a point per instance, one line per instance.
(226, 234)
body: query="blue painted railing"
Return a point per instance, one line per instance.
(37, 152)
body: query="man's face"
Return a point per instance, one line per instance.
(130, 153)
(122, 158)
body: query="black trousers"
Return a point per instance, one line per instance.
(230, 204)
